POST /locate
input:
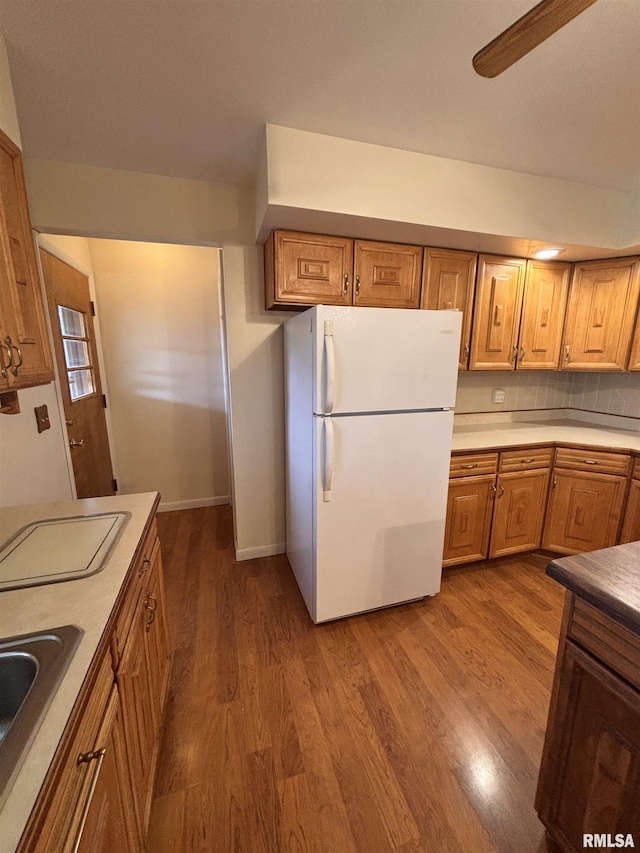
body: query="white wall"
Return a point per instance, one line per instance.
(160, 321)
(33, 464)
(311, 174)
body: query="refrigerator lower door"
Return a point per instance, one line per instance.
(380, 504)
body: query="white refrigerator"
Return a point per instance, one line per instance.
(369, 393)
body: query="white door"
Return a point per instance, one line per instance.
(381, 495)
(381, 359)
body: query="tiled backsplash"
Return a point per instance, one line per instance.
(611, 393)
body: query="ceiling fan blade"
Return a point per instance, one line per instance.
(528, 32)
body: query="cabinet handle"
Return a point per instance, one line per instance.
(567, 353)
(514, 357)
(357, 285)
(76, 442)
(467, 353)
(471, 465)
(144, 567)
(345, 286)
(527, 461)
(15, 367)
(589, 461)
(554, 484)
(151, 600)
(85, 758)
(522, 353)
(501, 490)
(493, 491)
(4, 368)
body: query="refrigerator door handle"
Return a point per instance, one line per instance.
(330, 378)
(327, 474)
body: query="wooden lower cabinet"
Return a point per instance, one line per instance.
(469, 509)
(591, 761)
(518, 517)
(142, 678)
(584, 511)
(87, 805)
(110, 823)
(631, 523)
(101, 804)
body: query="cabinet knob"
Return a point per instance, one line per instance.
(76, 442)
(345, 286)
(357, 285)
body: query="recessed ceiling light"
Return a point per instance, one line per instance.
(545, 254)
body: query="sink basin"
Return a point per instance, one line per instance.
(31, 668)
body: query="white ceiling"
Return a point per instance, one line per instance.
(184, 88)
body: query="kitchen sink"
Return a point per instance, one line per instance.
(31, 668)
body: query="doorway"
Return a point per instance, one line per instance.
(71, 314)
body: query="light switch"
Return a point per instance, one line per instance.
(498, 395)
(42, 418)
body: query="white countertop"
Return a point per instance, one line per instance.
(508, 429)
(84, 602)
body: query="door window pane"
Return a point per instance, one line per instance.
(80, 383)
(71, 322)
(76, 353)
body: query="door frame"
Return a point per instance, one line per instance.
(43, 242)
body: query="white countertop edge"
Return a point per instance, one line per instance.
(84, 602)
(505, 429)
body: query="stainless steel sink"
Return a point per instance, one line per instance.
(31, 668)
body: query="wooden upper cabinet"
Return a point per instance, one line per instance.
(545, 300)
(602, 309)
(496, 319)
(634, 358)
(25, 355)
(448, 281)
(307, 269)
(387, 275)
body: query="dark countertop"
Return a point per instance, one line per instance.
(608, 579)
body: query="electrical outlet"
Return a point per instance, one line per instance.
(498, 395)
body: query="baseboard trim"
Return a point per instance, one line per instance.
(171, 506)
(261, 551)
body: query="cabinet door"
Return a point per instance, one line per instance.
(469, 507)
(22, 316)
(631, 523)
(307, 269)
(519, 513)
(387, 275)
(545, 300)
(140, 719)
(496, 318)
(108, 822)
(602, 308)
(584, 511)
(589, 777)
(634, 358)
(157, 641)
(448, 281)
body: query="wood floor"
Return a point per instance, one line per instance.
(416, 728)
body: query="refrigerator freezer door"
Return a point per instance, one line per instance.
(380, 359)
(380, 528)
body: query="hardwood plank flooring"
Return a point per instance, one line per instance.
(416, 728)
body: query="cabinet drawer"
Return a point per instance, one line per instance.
(593, 460)
(610, 642)
(636, 469)
(133, 588)
(524, 460)
(473, 463)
